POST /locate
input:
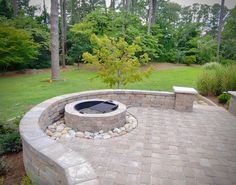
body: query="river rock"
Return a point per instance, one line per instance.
(60, 128)
(71, 132)
(52, 128)
(134, 124)
(49, 132)
(122, 128)
(101, 132)
(57, 134)
(116, 130)
(79, 134)
(98, 136)
(106, 136)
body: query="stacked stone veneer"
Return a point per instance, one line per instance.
(95, 122)
(49, 162)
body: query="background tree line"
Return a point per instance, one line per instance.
(168, 32)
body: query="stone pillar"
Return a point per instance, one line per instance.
(184, 97)
(232, 103)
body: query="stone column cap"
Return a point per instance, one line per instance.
(233, 93)
(185, 90)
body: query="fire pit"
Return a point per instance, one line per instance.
(95, 114)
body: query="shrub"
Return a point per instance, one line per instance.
(116, 60)
(224, 98)
(26, 181)
(227, 77)
(16, 47)
(3, 166)
(226, 62)
(189, 59)
(211, 65)
(10, 142)
(218, 80)
(207, 83)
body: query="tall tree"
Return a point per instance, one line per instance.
(15, 7)
(44, 13)
(63, 32)
(220, 29)
(55, 68)
(150, 15)
(154, 8)
(112, 4)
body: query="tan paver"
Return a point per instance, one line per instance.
(167, 147)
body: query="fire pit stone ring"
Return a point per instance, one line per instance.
(94, 115)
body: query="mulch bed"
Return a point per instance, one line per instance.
(16, 170)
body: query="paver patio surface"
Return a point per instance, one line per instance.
(168, 147)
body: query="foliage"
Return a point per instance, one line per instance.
(39, 36)
(9, 136)
(229, 36)
(78, 44)
(26, 181)
(227, 62)
(3, 166)
(181, 34)
(189, 59)
(10, 142)
(207, 83)
(218, 80)
(1, 180)
(6, 9)
(113, 24)
(211, 65)
(206, 49)
(116, 60)
(16, 47)
(224, 98)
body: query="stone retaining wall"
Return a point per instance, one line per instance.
(49, 162)
(232, 103)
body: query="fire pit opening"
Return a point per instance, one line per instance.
(96, 107)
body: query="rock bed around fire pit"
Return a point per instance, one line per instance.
(59, 130)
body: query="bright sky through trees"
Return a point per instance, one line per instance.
(229, 3)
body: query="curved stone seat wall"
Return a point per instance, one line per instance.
(49, 162)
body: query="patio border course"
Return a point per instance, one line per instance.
(49, 162)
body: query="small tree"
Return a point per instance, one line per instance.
(16, 47)
(117, 62)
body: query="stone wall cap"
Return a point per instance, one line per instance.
(184, 90)
(233, 93)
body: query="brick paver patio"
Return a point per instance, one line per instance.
(167, 147)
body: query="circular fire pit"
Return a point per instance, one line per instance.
(94, 115)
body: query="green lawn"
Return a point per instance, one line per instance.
(19, 94)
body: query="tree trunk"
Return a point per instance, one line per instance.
(150, 15)
(15, 7)
(105, 6)
(154, 7)
(55, 68)
(127, 5)
(63, 32)
(44, 13)
(112, 5)
(220, 29)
